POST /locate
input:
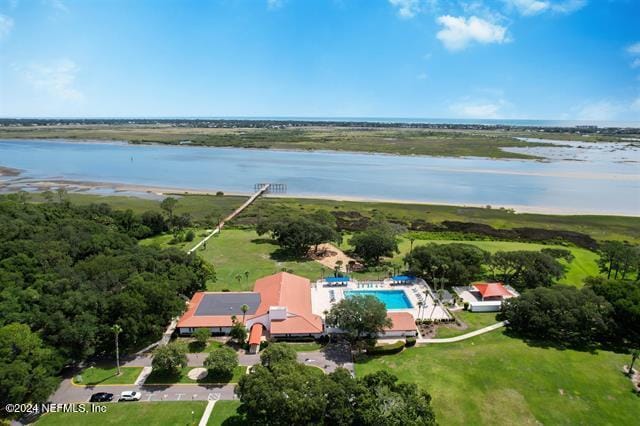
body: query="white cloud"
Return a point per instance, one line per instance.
(274, 4)
(479, 108)
(602, 110)
(529, 7)
(406, 8)
(57, 79)
(58, 5)
(635, 63)
(535, 7)
(634, 49)
(6, 25)
(459, 32)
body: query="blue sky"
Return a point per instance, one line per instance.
(538, 59)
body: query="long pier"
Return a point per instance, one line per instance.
(264, 188)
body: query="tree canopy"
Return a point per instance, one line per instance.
(561, 314)
(377, 241)
(294, 394)
(359, 316)
(458, 264)
(525, 269)
(277, 353)
(624, 297)
(221, 361)
(69, 273)
(169, 358)
(296, 234)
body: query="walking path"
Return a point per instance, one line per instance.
(207, 412)
(236, 212)
(464, 336)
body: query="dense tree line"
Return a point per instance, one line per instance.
(447, 264)
(69, 273)
(602, 312)
(619, 260)
(284, 392)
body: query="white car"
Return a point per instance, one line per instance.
(130, 396)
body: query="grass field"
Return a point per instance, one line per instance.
(162, 379)
(132, 414)
(235, 252)
(226, 413)
(106, 375)
(474, 321)
(494, 379)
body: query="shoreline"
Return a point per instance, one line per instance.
(159, 192)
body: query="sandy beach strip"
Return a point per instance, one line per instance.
(158, 192)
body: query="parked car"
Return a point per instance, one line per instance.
(101, 397)
(130, 396)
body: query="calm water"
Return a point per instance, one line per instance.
(393, 299)
(596, 184)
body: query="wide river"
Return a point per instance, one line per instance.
(585, 178)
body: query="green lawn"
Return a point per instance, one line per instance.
(132, 414)
(305, 346)
(162, 379)
(226, 413)
(236, 251)
(494, 379)
(106, 375)
(474, 321)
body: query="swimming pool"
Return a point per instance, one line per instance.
(393, 299)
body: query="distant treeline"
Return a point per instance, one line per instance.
(283, 123)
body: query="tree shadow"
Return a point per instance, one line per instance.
(235, 420)
(264, 240)
(281, 255)
(196, 347)
(550, 344)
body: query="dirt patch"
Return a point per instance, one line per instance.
(329, 255)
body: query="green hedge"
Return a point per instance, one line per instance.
(411, 341)
(391, 348)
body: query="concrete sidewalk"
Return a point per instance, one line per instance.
(464, 336)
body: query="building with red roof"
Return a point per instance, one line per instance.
(279, 307)
(492, 291)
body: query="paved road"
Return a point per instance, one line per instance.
(328, 360)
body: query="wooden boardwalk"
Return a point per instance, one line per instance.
(236, 212)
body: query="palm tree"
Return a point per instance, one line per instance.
(246, 276)
(244, 309)
(635, 354)
(239, 278)
(117, 330)
(420, 305)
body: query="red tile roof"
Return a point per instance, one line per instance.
(402, 321)
(282, 289)
(256, 334)
(294, 292)
(492, 290)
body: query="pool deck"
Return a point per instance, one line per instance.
(321, 298)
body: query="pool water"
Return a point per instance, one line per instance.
(393, 299)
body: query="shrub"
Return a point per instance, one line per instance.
(189, 236)
(391, 348)
(201, 335)
(277, 353)
(222, 361)
(219, 194)
(411, 341)
(466, 306)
